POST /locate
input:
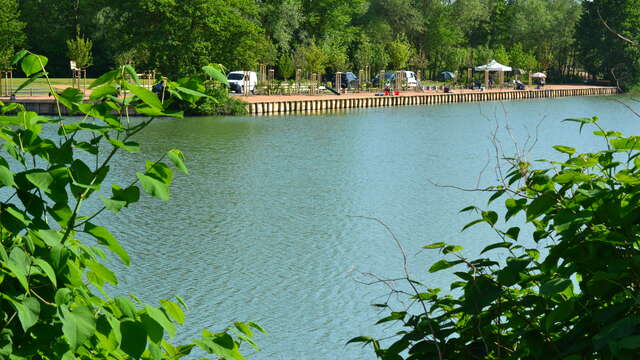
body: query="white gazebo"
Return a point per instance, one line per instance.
(493, 66)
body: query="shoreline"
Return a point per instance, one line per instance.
(289, 104)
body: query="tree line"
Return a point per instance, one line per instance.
(177, 38)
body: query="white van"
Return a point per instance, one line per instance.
(412, 81)
(237, 81)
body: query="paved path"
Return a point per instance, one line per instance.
(269, 98)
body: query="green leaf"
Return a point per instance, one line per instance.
(395, 316)
(451, 249)
(244, 328)
(19, 264)
(555, 286)
(624, 144)
(19, 56)
(177, 157)
(125, 305)
(47, 269)
(105, 238)
(78, 325)
(221, 344)
(630, 342)
(627, 178)
(491, 217)
(41, 179)
(132, 73)
(28, 312)
(583, 121)
(6, 176)
(443, 264)
(105, 78)
(112, 205)
(134, 338)
(437, 245)
(158, 316)
(129, 146)
(474, 222)
(215, 74)
(154, 187)
(513, 233)
(72, 95)
(191, 92)
(102, 92)
(361, 339)
(565, 149)
(173, 310)
(540, 205)
(103, 272)
(499, 245)
(32, 64)
(146, 96)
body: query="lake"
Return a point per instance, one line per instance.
(268, 226)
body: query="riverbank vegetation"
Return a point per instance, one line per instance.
(563, 286)
(178, 38)
(53, 299)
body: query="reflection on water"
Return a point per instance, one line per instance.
(263, 229)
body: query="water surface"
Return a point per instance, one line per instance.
(266, 229)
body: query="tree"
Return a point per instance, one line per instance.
(11, 32)
(501, 55)
(282, 19)
(79, 51)
(49, 308)
(285, 65)
(519, 59)
(363, 56)
(400, 52)
(564, 287)
(602, 50)
(313, 58)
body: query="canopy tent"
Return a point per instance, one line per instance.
(447, 75)
(493, 66)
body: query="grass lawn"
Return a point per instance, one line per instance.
(42, 83)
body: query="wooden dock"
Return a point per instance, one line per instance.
(261, 105)
(268, 105)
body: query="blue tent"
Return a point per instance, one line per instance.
(447, 75)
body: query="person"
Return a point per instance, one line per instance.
(542, 81)
(158, 88)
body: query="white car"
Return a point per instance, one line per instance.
(237, 80)
(412, 81)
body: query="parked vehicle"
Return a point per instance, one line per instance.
(237, 81)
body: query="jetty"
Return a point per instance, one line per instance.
(268, 105)
(289, 104)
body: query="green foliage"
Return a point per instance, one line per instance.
(79, 51)
(603, 52)
(563, 286)
(400, 52)
(11, 32)
(178, 38)
(53, 299)
(285, 66)
(314, 59)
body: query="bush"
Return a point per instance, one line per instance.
(218, 103)
(48, 308)
(576, 299)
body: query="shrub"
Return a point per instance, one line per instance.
(575, 299)
(49, 308)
